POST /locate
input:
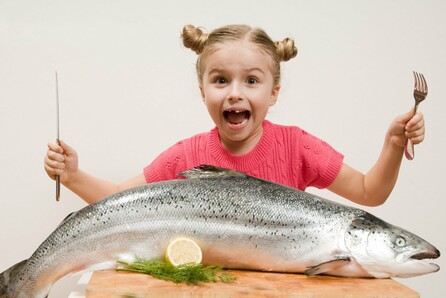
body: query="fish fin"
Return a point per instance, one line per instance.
(208, 171)
(9, 275)
(327, 266)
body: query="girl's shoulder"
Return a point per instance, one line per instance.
(199, 139)
(292, 130)
(294, 135)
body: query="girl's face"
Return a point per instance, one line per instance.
(237, 88)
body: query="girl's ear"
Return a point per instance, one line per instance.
(203, 97)
(274, 95)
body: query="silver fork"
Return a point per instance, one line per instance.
(419, 93)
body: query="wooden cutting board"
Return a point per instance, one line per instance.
(110, 284)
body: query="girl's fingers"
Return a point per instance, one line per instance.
(52, 171)
(416, 136)
(415, 121)
(55, 147)
(54, 156)
(417, 139)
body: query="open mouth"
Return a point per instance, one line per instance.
(237, 117)
(426, 256)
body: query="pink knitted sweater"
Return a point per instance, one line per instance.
(285, 154)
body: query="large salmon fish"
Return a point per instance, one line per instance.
(239, 222)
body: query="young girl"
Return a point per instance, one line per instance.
(238, 70)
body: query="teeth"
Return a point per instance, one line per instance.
(237, 117)
(238, 111)
(243, 122)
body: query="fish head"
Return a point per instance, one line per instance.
(385, 250)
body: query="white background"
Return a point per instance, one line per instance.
(128, 90)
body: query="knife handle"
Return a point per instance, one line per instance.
(58, 182)
(57, 188)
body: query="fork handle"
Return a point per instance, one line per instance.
(409, 150)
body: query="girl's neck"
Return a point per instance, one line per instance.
(244, 146)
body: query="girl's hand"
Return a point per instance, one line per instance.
(61, 160)
(406, 127)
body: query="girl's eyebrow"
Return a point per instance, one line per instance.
(220, 70)
(215, 70)
(255, 69)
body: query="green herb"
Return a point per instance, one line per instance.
(189, 273)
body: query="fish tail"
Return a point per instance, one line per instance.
(7, 276)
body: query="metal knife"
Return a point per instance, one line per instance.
(57, 139)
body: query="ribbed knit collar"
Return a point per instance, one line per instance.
(251, 159)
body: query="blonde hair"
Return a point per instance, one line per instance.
(205, 43)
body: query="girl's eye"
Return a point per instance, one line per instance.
(221, 80)
(252, 81)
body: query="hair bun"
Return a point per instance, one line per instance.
(286, 49)
(194, 38)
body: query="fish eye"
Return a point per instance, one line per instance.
(400, 241)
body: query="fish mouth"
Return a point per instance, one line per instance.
(431, 254)
(425, 257)
(237, 117)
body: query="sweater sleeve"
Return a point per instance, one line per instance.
(332, 168)
(320, 162)
(167, 165)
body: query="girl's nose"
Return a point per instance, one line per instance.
(236, 92)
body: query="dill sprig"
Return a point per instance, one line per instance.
(189, 273)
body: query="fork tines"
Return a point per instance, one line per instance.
(420, 84)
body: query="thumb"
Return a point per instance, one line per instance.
(404, 118)
(66, 148)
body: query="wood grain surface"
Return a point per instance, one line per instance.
(248, 284)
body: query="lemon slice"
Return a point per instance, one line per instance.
(183, 250)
